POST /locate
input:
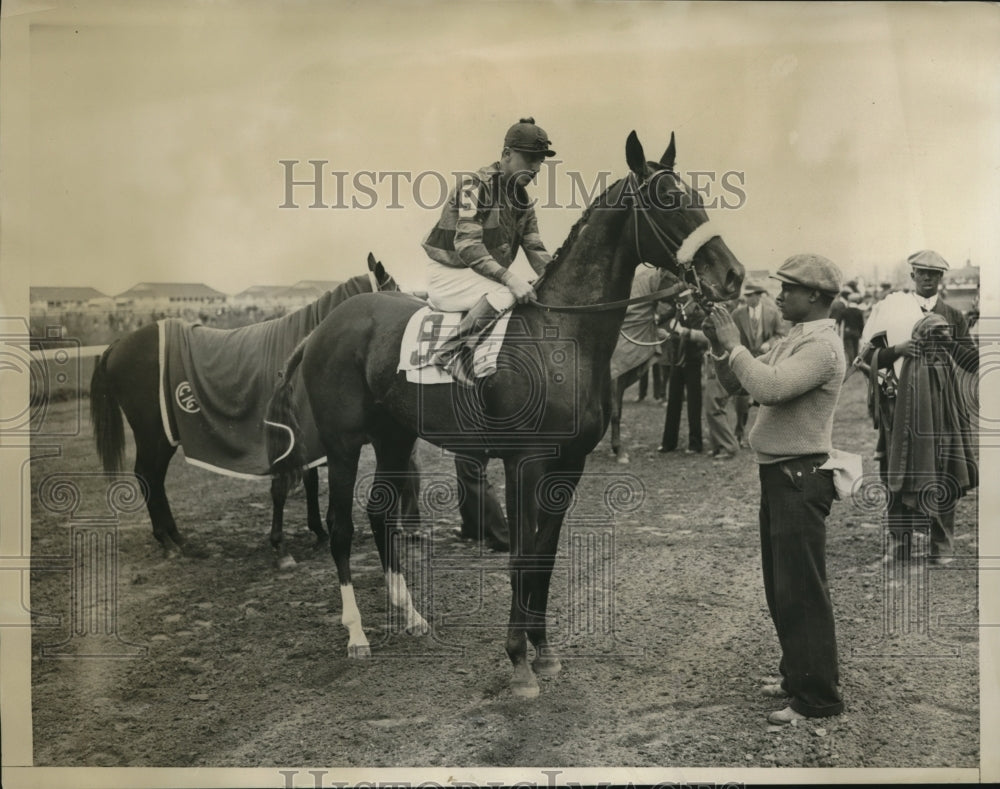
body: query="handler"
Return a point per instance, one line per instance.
(797, 384)
(487, 217)
(930, 446)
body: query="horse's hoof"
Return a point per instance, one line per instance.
(286, 562)
(523, 684)
(547, 666)
(418, 627)
(623, 460)
(359, 651)
(525, 690)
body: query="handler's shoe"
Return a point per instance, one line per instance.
(785, 717)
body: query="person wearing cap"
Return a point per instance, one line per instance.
(760, 324)
(907, 466)
(797, 384)
(486, 219)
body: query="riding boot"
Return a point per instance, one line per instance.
(448, 354)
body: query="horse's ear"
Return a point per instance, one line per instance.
(669, 155)
(371, 262)
(634, 155)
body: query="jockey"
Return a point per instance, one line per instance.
(488, 216)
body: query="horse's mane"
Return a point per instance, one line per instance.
(574, 233)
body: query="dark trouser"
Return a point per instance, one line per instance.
(742, 407)
(720, 431)
(851, 342)
(660, 375)
(795, 499)
(482, 517)
(683, 378)
(902, 521)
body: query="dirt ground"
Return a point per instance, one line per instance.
(658, 612)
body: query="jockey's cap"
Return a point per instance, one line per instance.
(526, 136)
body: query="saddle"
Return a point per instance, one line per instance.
(428, 329)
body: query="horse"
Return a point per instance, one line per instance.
(637, 345)
(543, 411)
(127, 378)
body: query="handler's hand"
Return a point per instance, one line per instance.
(522, 291)
(708, 329)
(906, 348)
(726, 332)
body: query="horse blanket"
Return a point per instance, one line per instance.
(215, 385)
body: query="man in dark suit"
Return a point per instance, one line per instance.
(909, 504)
(761, 325)
(687, 354)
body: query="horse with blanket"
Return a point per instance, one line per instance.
(543, 407)
(205, 389)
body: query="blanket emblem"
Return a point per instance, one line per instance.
(185, 398)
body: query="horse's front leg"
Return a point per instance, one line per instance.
(523, 477)
(279, 495)
(555, 494)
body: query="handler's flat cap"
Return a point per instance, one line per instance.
(810, 271)
(752, 286)
(526, 136)
(928, 258)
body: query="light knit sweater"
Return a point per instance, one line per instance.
(797, 384)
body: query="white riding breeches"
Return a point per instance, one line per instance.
(458, 289)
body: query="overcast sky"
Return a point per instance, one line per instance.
(860, 131)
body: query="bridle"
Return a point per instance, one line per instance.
(683, 254)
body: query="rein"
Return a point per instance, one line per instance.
(605, 306)
(642, 343)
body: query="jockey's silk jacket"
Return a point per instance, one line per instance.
(482, 226)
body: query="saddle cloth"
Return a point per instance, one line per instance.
(427, 329)
(215, 385)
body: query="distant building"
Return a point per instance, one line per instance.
(294, 296)
(56, 300)
(170, 296)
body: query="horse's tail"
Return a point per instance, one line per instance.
(285, 443)
(106, 417)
